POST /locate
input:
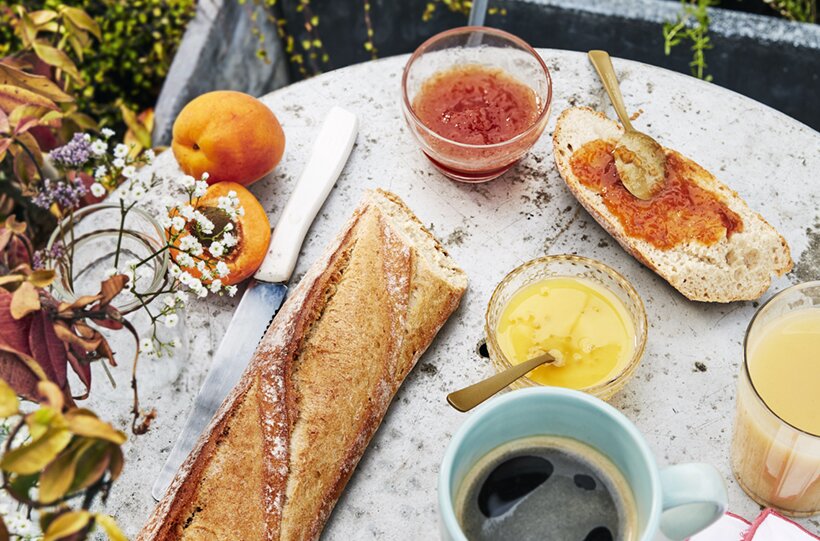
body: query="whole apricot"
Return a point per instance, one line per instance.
(251, 231)
(230, 135)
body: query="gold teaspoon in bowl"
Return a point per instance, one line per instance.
(469, 397)
(639, 159)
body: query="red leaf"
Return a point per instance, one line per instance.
(18, 376)
(13, 332)
(49, 350)
(83, 370)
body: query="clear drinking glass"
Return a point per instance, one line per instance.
(554, 266)
(777, 464)
(485, 47)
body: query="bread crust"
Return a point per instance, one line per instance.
(308, 428)
(733, 269)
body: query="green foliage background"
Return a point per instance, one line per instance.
(138, 44)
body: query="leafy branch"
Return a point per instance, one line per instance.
(691, 25)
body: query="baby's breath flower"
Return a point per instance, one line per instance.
(171, 320)
(186, 279)
(186, 261)
(187, 212)
(178, 223)
(229, 240)
(128, 171)
(98, 190)
(107, 133)
(201, 291)
(187, 182)
(149, 156)
(222, 269)
(205, 224)
(137, 191)
(200, 187)
(231, 290)
(205, 176)
(119, 163)
(216, 249)
(121, 151)
(99, 147)
(170, 301)
(146, 345)
(174, 271)
(181, 296)
(216, 285)
(206, 275)
(100, 172)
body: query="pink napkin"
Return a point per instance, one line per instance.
(770, 526)
(729, 528)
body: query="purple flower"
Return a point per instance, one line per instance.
(65, 193)
(43, 257)
(73, 154)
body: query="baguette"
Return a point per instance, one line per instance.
(283, 445)
(736, 267)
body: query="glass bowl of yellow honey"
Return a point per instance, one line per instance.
(580, 311)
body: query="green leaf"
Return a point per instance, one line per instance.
(57, 58)
(9, 404)
(92, 465)
(39, 421)
(110, 527)
(82, 20)
(43, 16)
(83, 422)
(142, 134)
(67, 524)
(44, 86)
(34, 456)
(57, 478)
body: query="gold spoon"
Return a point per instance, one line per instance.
(469, 397)
(639, 159)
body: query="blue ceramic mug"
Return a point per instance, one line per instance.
(679, 500)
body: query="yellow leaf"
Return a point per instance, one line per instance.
(56, 478)
(42, 278)
(9, 404)
(57, 58)
(39, 84)
(82, 20)
(11, 278)
(42, 16)
(34, 456)
(26, 299)
(40, 420)
(12, 96)
(111, 529)
(82, 422)
(67, 524)
(51, 394)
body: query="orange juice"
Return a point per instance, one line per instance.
(776, 446)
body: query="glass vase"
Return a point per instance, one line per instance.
(97, 239)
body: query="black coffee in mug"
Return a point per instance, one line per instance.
(545, 488)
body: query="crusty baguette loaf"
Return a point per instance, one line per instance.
(735, 268)
(284, 443)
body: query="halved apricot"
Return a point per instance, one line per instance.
(251, 229)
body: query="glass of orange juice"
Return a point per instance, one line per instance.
(776, 442)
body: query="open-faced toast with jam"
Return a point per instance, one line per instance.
(696, 233)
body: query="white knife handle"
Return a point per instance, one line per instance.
(327, 159)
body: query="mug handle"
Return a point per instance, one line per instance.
(694, 496)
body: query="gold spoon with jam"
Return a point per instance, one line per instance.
(639, 159)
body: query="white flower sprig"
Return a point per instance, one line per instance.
(119, 166)
(199, 249)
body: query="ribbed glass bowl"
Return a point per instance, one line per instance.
(567, 266)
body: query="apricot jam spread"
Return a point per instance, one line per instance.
(681, 212)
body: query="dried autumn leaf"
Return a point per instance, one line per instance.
(42, 278)
(67, 524)
(9, 404)
(34, 456)
(14, 76)
(92, 465)
(83, 422)
(25, 300)
(12, 97)
(11, 279)
(67, 335)
(111, 287)
(12, 224)
(5, 127)
(57, 58)
(57, 478)
(51, 395)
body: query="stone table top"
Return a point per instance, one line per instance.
(682, 394)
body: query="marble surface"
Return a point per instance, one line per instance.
(682, 395)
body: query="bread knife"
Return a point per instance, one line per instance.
(266, 290)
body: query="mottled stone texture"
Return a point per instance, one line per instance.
(682, 395)
(218, 52)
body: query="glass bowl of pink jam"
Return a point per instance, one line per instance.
(476, 99)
